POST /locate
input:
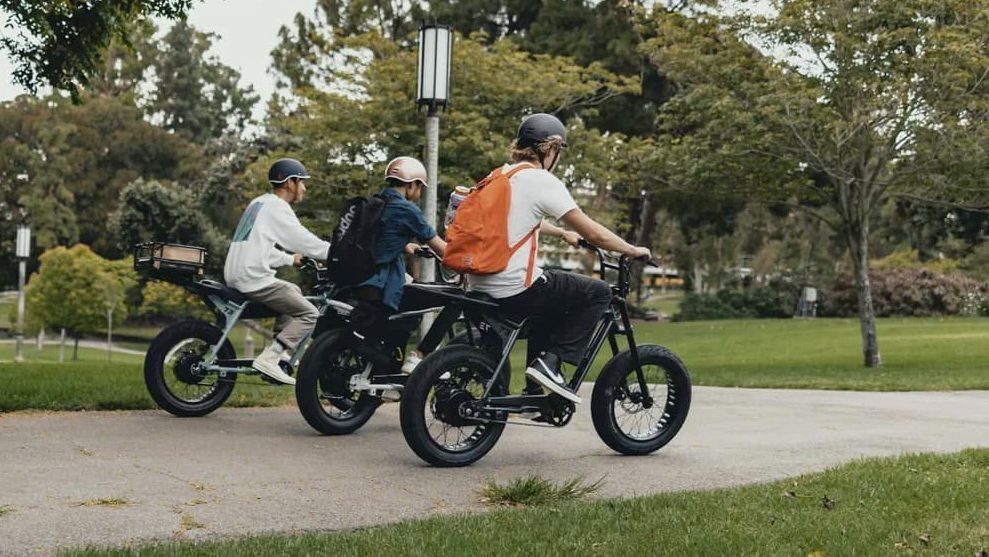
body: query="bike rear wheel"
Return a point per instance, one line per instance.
(629, 422)
(171, 374)
(431, 422)
(322, 389)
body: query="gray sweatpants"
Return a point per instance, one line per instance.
(297, 315)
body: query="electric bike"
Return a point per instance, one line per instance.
(455, 406)
(349, 371)
(191, 367)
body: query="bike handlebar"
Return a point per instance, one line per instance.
(602, 254)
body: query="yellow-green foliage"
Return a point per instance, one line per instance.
(161, 299)
(74, 288)
(910, 259)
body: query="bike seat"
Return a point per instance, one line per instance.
(442, 294)
(222, 290)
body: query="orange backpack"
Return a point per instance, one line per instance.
(477, 239)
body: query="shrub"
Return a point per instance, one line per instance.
(167, 301)
(776, 300)
(911, 293)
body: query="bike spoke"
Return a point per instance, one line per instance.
(630, 413)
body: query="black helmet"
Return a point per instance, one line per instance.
(538, 128)
(284, 170)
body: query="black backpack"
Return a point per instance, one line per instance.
(352, 249)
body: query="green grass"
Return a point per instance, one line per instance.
(915, 505)
(533, 490)
(40, 383)
(667, 304)
(919, 354)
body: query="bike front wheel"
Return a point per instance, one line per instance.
(432, 421)
(172, 369)
(633, 422)
(322, 389)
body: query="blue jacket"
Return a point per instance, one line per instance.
(401, 222)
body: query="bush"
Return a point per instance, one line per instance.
(774, 301)
(911, 293)
(167, 301)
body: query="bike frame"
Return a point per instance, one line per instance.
(613, 323)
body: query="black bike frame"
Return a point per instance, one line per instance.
(613, 322)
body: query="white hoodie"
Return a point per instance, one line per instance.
(253, 257)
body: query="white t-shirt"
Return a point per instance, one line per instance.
(536, 194)
(253, 257)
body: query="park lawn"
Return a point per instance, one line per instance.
(41, 383)
(912, 505)
(919, 354)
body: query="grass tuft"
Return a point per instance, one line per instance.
(535, 490)
(104, 502)
(6, 509)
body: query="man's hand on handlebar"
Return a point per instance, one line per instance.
(571, 237)
(639, 252)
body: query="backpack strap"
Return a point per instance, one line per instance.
(531, 236)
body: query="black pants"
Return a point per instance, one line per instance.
(570, 305)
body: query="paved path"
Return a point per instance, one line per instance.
(246, 471)
(30, 344)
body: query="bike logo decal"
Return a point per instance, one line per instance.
(246, 223)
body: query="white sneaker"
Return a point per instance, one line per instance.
(267, 363)
(412, 359)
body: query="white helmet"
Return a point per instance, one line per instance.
(406, 169)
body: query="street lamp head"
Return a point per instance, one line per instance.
(23, 241)
(435, 50)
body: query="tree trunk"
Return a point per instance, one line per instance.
(75, 349)
(643, 237)
(61, 348)
(859, 243)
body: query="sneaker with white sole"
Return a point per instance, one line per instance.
(412, 359)
(267, 363)
(545, 370)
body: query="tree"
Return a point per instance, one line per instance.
(154, 211)
(864, 103)
(76, 289)
(195, 95)
(62, 44)
(374, 90)
(63, 165)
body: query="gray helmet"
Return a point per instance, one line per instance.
(538, 128)
(284, 170)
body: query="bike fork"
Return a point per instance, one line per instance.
(634, 353)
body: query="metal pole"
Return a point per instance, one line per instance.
(429, 201)
(19, 354)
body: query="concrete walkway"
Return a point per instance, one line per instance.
(244, 471)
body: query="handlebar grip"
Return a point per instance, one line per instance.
(425, 253)
(586, 245)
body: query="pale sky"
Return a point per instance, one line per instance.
(248, 32)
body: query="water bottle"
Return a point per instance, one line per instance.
(457, 196)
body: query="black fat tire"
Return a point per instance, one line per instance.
(413, 406)
(154, 368)
(615, 373)
(312, 369)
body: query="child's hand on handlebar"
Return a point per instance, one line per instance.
(298, 260)
(571, 237)
(411, 248)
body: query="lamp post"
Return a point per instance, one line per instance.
(433, 91)
(23, 252)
